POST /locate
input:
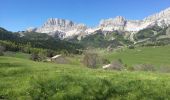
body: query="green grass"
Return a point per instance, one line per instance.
(22, 79)
(158, 56)
(17, 55)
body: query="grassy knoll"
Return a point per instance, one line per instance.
(22, 79)
(158, 56)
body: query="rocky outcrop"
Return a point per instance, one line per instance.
(61, 28)
(161, 19)
(111, 24)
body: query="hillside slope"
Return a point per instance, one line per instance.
(157, 56)
(37, 40)
(22, 79)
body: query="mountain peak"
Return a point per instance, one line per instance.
(111, 24)
(166, 10)
(119, 20)
(161, 15)
(61, 27)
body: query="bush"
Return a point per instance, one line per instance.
(50, 53)
(105, 61)
(144, 67)
(130, 68)
(131, 47)
(2, 49)
(35, 57)
(90, 60)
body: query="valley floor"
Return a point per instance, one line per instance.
(22, 79)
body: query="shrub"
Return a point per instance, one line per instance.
(35, 57)
(105, 61)
(144, 67)
(130, 68)
(131, 47)
(50, 53)
(2, 49)
(42, 57)
(90, 60)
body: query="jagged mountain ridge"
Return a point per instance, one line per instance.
(66, 28)
(61, 27)
(161, 19)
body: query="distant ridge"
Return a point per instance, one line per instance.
(65, 28)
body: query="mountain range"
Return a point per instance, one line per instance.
(63, 28)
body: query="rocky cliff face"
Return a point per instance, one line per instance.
(161, 19)
(66, 28)
(111, 24)
(61, 27)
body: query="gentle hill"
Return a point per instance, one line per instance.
(153, 36)
(158, 56)
(25, 79)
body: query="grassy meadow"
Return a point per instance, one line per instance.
(157, 56)
(23, 79)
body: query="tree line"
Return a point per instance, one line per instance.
(40, 43)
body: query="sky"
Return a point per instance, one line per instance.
(18, 15)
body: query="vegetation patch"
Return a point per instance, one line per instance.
(48, 81)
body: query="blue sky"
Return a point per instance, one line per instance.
(17, 15)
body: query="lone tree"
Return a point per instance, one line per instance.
(2, 49)
(90, 60)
